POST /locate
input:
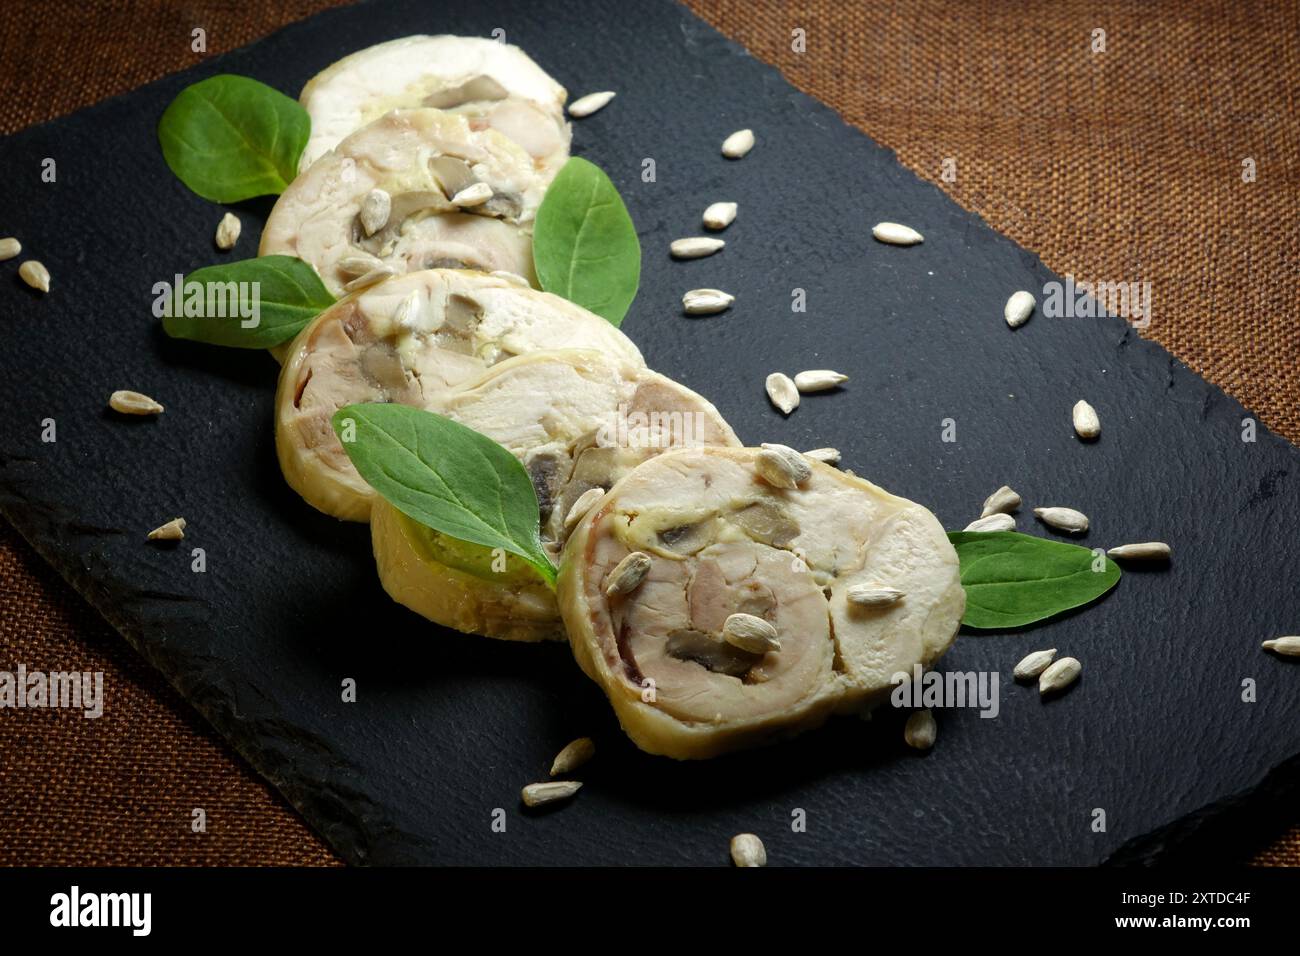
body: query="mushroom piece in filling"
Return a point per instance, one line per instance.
(382, 200)
(577, 421)
(722, 541)
(492, 84)
(408, 340)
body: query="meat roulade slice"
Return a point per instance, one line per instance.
(744, 628)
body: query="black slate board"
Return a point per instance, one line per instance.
(448, 727)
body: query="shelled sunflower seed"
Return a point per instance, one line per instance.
(748, 850)
(540, 794)
(574, 755)
(819, 380)
(471, 196)
(1018, 309)
(706, 301)
(1086, 423)
(694, 247)
(1059, 675)
(920, 730)
(228, 232)
(377, 274)
(127, 402)
(375, 210)
(1002, 501)
(896, 234)
(782, 466)
(1144, 551)
(873, 595)
(584, 106)
(628, 574)
(582, 506)
(359, 265)
(1031, 665)
(751, 633)
(1063, 519)
(720, 215)
(11, 247)
(35, 275)
(173, 530)
(1288, 646)
(993, 522)
(827, 456)
(781, 392)
(738, 144)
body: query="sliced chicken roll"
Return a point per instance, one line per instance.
(492, 84)
(577, 420)
(410, 339)
(396, 196)
(743, 620)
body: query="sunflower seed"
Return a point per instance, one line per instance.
(1086, 423)
(748, 850)
(1145, 551)
(407, 314)
(375, 208)
(228, 232)
(538, 794)
(1063, 519)
(1059, 675)
(10, 247)
(586, 105)
(1018, 309)
(873, 595)
(827, 456)
(628, 574)
(514, 278)
(750, 633)
(695, 247)
(782, 467)
(720, 215)
(782, 392)
(993, 522)
(1288, 646)
(377, 274)
(133, 403)
(706, 301)
(738, 144)
(1031, 665)
(35, 275)
(1002, 500)
(582, 506)
(896, 234)
(359, 265)
(573, 756)
(819, 380)
(173, 530)
(475, 195)
(920, 730)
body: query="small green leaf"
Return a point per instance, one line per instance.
(584, 244)
(247, 304)
(230, 138)
(446, 476)
(1014, 579)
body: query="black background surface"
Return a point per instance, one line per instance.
(448, 727)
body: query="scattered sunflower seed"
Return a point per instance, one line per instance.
(573, 756)
(706, 301)
(628, 574)
(475, 195)
(582, 506)
(782, 466)
(133, 403)
(228, 232)
(781, 392)
(35, 275)
(1288, 646)
(359, 265)
(920, 730)
(819, 380)
(750, 633)
(1145, 551)
(993, 522)
(827, 456)
(1063, 519)
(375, 209)
(720, 215)
(586, 105)
(1059, 675)
(695, 247)
(748, 850)
(896, 234)
(873, 595)
(1001, 501)
(10, 247)
(514, 278)
(538, 794)
(738, 144)
(1086, 423)
(1018, 309)
(377, 274)
(173, 530)
(1031, 665)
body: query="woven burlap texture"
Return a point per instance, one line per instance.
(1120, 165)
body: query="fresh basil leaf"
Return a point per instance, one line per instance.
(584, 244)
(1015, 579)
(447, 477)
(230, 138)
(247, 304)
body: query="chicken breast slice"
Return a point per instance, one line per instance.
(493, 85)
(409, 339)
(419, 159)
(722, 541)
(577, 420)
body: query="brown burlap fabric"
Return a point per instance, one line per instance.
(1122, 165)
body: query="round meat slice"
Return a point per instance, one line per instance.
(722, 541)
(577, 420)
(492, 84)
(409, 339)
(383, 201)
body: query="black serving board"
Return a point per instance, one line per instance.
(446, 727)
